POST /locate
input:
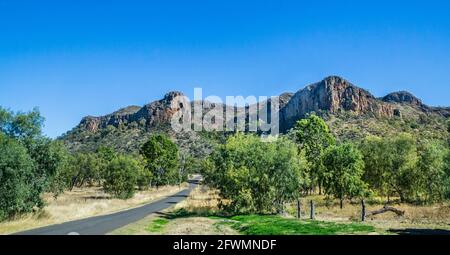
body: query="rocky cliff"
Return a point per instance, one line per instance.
(333, 94)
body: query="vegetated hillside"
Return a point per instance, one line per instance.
(351, 112)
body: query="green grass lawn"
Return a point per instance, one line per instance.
(276, 225)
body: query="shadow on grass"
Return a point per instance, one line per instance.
(413, 231)
(183, 213)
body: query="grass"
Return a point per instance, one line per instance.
(277, 225)
(157, 225)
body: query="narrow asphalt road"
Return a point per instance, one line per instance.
(101, 225)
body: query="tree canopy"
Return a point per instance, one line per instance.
(161, 157)
(255, 176)
(343, 170)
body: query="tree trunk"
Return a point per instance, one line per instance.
(363, 210)
(299, 209)
(387, 209)
(341, 203)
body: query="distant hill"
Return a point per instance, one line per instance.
(351, 112)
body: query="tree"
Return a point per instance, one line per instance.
(255, 176)
(31, 164)
(55, 160)
(188, 165)
(104, 155)
(313, 137)
(86, 169)
(431, 172)
(144, 178)
(447, 174)
(402, 157)
(162, 160)
(375, 152)
(121, 177)
(391, 165)
(22, 126)
(344, 168)
(16, 173)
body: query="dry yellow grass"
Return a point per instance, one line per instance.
(201, 201)
(82, 203)
(424, 217)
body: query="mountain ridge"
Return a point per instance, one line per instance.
(332, 96)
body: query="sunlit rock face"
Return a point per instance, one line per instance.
(333, 94)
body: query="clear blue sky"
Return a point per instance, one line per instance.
(77, 58)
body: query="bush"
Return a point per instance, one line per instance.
(121, 177)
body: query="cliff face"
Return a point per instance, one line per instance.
(155, 113)
(333, 94)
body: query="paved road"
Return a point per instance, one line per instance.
(102, 225)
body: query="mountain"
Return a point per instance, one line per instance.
(350, 111)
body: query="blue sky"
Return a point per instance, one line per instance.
(77, 58)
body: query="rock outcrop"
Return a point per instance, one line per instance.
(333, 94)
(403, 97)
(155, 113)
(406, 98)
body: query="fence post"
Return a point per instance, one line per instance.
(313, 213)
(363, 210)
(299, 208)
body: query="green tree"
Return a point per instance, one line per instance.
(255, 176)
(344, 168)
(391, 166)
(104, 155)
(22, 126)
(313, 137)
(86, 169)
(55, 161)
(23, 131)
(121, 177)
(144, 178)
(377, 172)
(161, 157)
(447, 174)
(16, 175)
(403, 158)
(431, 172)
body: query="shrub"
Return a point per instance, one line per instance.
(121, 177)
